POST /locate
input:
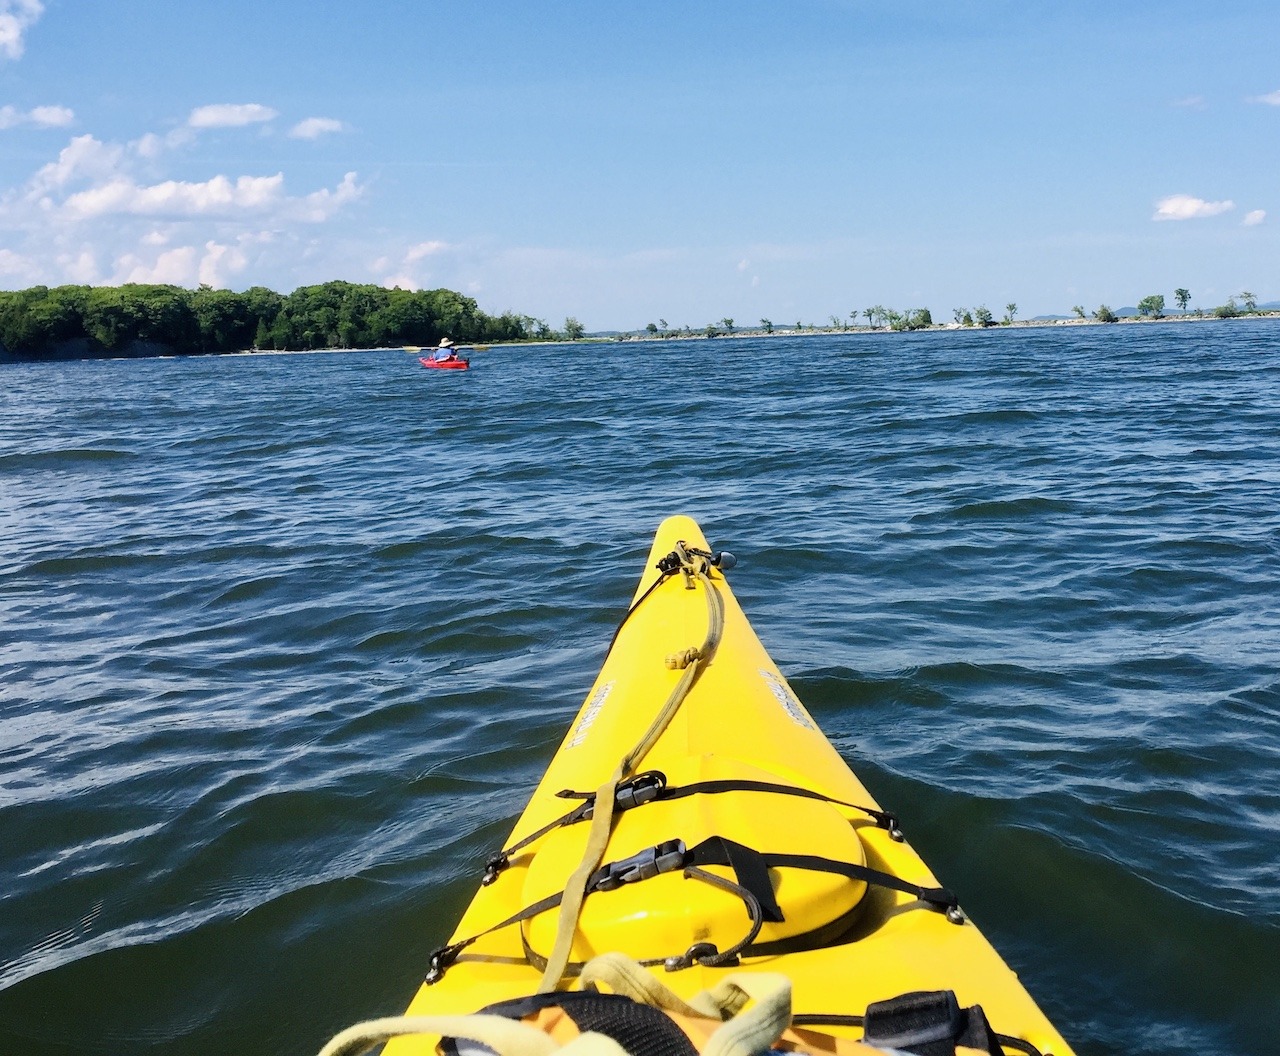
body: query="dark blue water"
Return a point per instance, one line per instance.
(286, 641)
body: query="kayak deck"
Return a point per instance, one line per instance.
(750, 769)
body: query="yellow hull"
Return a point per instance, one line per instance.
(843, 943)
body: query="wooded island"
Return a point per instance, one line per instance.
(88, 321)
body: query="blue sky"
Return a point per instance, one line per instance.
(654, 160)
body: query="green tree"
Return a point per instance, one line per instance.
(662, 325)
(1079, 310)
(573, 329)
(766, 325)
(1182, 297)
(1250, 301)
(1227, 311)
(1152, 306)
(653, 329)
(1010, 310)
(967, 319)
(870, 314)
(911, 319)
(853, 318)
(959, 314)
(982, 315)
(1105, 315)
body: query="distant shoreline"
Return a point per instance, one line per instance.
(76, 350)
(828, 331)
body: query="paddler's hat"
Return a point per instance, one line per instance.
(445, 342)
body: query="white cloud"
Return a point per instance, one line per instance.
(214, 263)
(424, 249)
(1185, 207)
(404, 282)
(1270, 99)
(51, 116)
(220, 262)
(40, 116)
(230, 115)
(13, 264)
(175, 266)
(81, 268)
(315, 127)
(319, 206)
(16, 17)
(1254, 217)
(217, 196)
(83, 157)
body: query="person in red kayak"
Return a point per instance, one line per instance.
(445, 352)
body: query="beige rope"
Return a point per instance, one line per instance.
(694, 568)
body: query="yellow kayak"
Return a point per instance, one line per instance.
(697, 821)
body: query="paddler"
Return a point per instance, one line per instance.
(445, 352)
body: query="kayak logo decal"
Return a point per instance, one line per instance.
(589, 714)
(790, 703)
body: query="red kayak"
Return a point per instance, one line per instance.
(445, 364)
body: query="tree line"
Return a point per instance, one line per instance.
(35, 322)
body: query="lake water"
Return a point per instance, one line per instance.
(285, 642)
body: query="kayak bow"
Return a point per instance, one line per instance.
(696, 820)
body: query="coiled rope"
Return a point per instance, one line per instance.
(695, 565)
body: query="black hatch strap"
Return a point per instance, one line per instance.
(652, 787)
(714, 851)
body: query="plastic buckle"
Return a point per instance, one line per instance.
(643, 788)
(664, 858)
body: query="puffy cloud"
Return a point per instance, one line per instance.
(220, 262)
(214, 263)
(230, 115)
(315, 127)
(217, 196)
(1185, 207)
(175, 266)
(16, 17)
(318, 206)
(1255, 217)
(51, 116)
(40, 116)
(1270, 99)
(83, 158)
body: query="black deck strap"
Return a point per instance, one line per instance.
(442, 958)
(708, 853)
(645, 793)
(928, 1023)
(668, 566)
(749, 866)
(882, 818)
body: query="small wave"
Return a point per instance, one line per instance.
(63, 458)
